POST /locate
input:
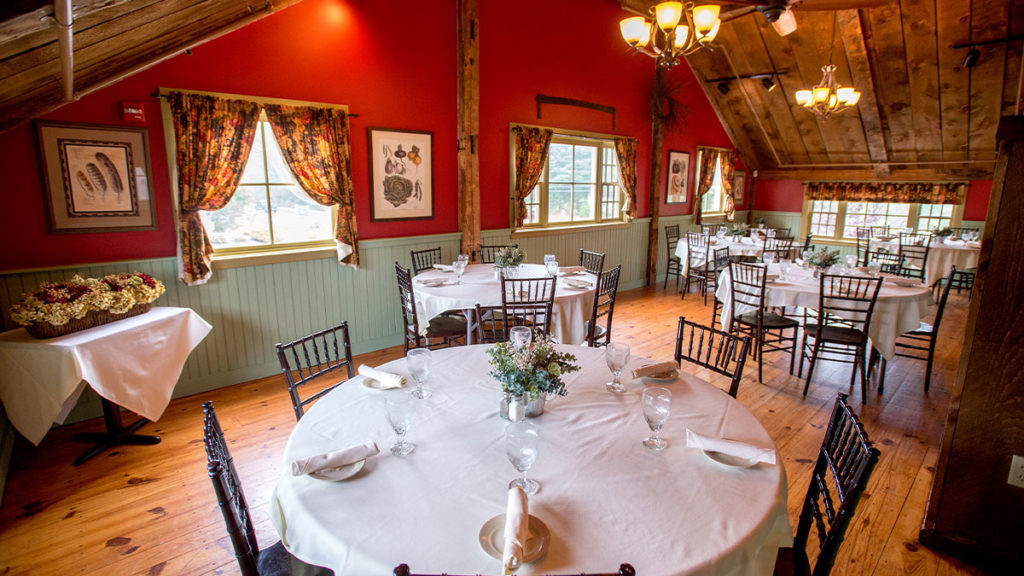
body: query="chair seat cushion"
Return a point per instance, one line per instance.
(770, 320)
(836, 334)
(446, 325)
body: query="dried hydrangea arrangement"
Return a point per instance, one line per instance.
(57, 303)
(531, 369)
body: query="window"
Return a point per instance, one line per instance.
(580, 184)
(713, 201)
(838, 220)
(269, 209)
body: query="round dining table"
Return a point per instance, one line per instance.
(942, 254)
(901, 305)
(737, 245)
(437, 292)
(604, 498)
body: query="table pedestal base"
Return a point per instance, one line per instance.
(117, 434)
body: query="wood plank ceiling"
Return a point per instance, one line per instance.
(922, 114)
(112, 39)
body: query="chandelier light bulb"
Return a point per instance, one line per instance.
(682, 34)
(705, 18)
(803, 97)
(668, 14)
(634, 30)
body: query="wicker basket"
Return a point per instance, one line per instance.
(91, 319)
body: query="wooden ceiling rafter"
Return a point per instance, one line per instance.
(852, 32)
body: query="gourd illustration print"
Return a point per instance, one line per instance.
(402, 179)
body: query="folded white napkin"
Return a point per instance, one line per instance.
(445, 267)
(951, 242)
(571, 269)
(386, 379)
(335, 459)
(973, 244)
(747, 240)
(730, 447)
(652, 369)
(516, 530)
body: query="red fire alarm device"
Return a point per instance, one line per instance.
(132, 111)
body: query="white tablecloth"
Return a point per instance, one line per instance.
(572, 308)
(941, 256)
(134, 363)
(737, 245)
(899, 309)
(604, 497)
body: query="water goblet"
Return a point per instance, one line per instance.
(720, 233)
(851, 261)
(521, 441)
(768, 257)
(807, 255)
(616, 354)
(459, 267)
(784, 265)
(874, 268)
(657, 405)
(399, 409)
(552, 267)
(417, 361)
(549, 258)
(520, 337)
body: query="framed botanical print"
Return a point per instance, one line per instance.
(402, 174)
(739, 187)
(95, 178)
(678, 177)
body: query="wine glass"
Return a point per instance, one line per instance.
(418, 362)
(851, 261)
(784, 265)
(459, 267)
(521, 448)
(552, 267)
(399, 409)
(807, 255)
(616, 354)
(520, 336)
(874, 268)
(720, 233)
(768, 257)
(657, 405)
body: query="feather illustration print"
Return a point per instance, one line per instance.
(96, 177)
(110, 170)
(83, 180)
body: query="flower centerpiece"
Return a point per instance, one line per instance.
(823, 260)
(529, 373)
(59, 308)
(739, 230)
(508, 259)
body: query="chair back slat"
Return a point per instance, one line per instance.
(490, 325)
(528, 302)
(914, 250)
(599, 329)
(697, 248)
(847, 301)
(424, 259)
(488, 252)
(313, 357)
(230, 497)
(841, 472)
(720, 352)
(671, 237)
(407, 303)
(748, 285)
(864, 235)
(592, 261)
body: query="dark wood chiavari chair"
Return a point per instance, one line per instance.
(767, 329)
(914, 250)
(599, 327)
(780, 247)
(527, 302)
(718, 351)
(424, 259)
(839, 327)
(312, 358)
(841, 472)
(864, 235)
(699, 265)
(442, 330)
(488, 252)
(673, 267)
(592, 261)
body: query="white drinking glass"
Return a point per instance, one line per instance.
(552, 267)
(657, 405)
(874, 268)
(521, 440)
(520, 336)
(720, 233)
(399, 409)
(768, 257)
(851, 261)
(549, 258)
(784, 265)
(417, 361)
(459, 267)
(616, 354)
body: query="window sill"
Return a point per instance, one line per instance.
(242, 260)
(555, 230)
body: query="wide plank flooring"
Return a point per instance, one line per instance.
(151, 510)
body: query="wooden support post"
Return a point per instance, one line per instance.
(469, 126)
(657, 150)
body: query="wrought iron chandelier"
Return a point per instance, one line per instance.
(828, 96)
(668, 36)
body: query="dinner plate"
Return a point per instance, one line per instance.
(374, 384)
(663, 377)
(492, 538)
(340, 473)
(900, 281)
(581, 284)
(572, 273)
(729, 460)
(433, 283)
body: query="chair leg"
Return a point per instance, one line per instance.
(864, 377)
(931, 358)
(760, 357)
(810, 368)
(792, 353)
(803, 352)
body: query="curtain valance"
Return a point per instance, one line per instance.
(901, 192)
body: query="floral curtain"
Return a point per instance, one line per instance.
(729, 202)
(707, 157)
(213, 137)
(625, 153)
(315, 143)
(902, 192)
(531, 152)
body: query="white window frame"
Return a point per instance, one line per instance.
(913, 220)
(603, 143)
(716, 188)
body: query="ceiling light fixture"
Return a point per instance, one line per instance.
(723, 87)
(768, 83)
(971, 58)
(828, 96)
(673, 32)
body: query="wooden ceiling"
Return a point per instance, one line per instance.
(921, 114)
(112, 39)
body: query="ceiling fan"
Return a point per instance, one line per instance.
(780, 12)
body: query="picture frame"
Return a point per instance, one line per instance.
(401, 174)
(95, 178)
(739, 187)
(677, 185)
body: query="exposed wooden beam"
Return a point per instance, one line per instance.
(896, 174)
(852, 32)
(654, 190)
(469, 124)
(953, 16)
(42, 18)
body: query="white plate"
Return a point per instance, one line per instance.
(728, 460)
(432, 283)
(579, 284)
(374, 384)
(337, 474)
(672, 376)
(573, 273)
(492, 538)
(904, 282)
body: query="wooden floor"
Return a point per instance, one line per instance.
(151, 510)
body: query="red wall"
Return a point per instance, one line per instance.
(788, 196)
(394, 64)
